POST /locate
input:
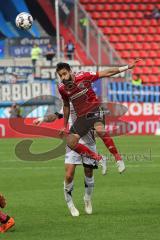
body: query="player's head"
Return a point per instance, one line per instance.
(65, 73)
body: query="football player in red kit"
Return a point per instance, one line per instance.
(6, 221)
(77, 89)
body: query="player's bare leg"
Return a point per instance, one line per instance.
(68, 188)
(89, 185)
(108, 141)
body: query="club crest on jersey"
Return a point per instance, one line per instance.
(81, 85)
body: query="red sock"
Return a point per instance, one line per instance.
(108, 141)
(3, 217)
(85, 151)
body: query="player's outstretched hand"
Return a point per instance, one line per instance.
(38, 121)
(134, 63)
(2, 201)
(62, 132)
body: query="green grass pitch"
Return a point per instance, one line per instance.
(125, 207)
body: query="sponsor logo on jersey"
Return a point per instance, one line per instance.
(77, 95)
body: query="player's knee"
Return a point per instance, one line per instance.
(72, 142)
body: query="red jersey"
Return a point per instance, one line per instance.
(81, 94)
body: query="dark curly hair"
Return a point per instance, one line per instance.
(62, 65)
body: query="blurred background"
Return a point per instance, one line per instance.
(90, 35)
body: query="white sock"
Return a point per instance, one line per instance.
(68, 188)
(89, 186)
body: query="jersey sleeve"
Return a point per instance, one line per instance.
(63, 95)
(91, 76)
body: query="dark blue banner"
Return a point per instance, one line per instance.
(126, 92)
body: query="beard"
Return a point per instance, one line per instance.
(68, 83)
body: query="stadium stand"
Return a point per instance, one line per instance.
(131, 33)
(64, 30)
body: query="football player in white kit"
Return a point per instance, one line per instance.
(72, 159)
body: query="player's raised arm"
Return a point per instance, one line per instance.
(115, 70)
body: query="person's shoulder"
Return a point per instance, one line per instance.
(83, 75)
(60, 87)
(80, 75)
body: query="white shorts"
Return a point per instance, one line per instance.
(72, 157)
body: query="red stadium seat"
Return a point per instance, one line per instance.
(137, 46)
(142, 7)
(149, 7)
(131, 15)
(154, 22)
(153, 54)
(102, 23)
(151, 29)
(138, 70)
(133, 7)
(90, 7)
(142, 30)
(110, 22)
(114, 38)
(122, 38)
(125, 54)
(119, 22)
(146, 46)
(96, 15)
(107, 7)
(135, 54)
(140, 38)
(155, 70)
(152, 79)
(117, 7)
(100, 7)
(145, 22)
(128, 22)
(131, 38)
(150, 62)
(125, 30)
(117, 30)
(121, 15)
(158, 30)
(156, 38)
(107, 30)
(146, 70)
(141, 63)
(128, 46)
(134, 30)
(155, 46)
(125, 7)
(143, 54)
(148, 38)
(157, 62)
(139, 15)
(113, 15)
(105, 14)
(119, 46)
(137, 22)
